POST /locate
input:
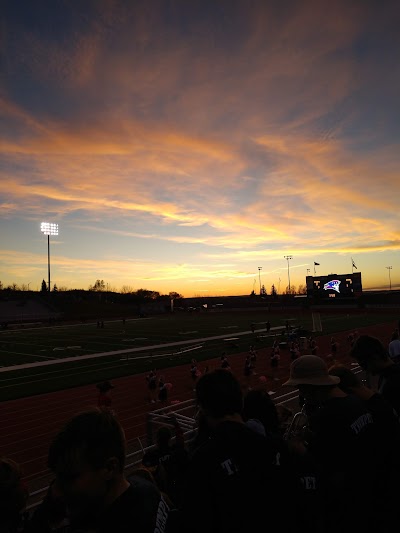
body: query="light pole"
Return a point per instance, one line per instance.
(28, 285)
(48, 228)
(390, 279)
(259, 277)
(288, 257)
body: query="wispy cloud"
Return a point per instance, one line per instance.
(237, 132)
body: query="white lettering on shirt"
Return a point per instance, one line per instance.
(162, 516)
(361, 422)
(277, 461)
(309, 482)
(229, 467)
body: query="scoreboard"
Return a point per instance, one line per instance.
(334, 286)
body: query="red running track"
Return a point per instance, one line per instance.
(29, 424)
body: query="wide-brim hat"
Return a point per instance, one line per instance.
(310, 370)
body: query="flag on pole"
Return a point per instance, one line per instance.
(316, 264)
(354, 265)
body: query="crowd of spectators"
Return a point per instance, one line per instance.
(246, 470)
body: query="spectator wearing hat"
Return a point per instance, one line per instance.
(343, 443)
(372, 357)
(104, 400)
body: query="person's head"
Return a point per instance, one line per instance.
(259, 405)
(163, 437)
(104, 387)
(348, 380)
(87, 457)
(370, 354)
(310, 374)
(13, 494)
(395, 335)
(219, 394)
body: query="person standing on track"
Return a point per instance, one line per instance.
(248, 371)
(162, 390)
(275, 358)
(253, 355)
(194, 372)
(152, 385)
(104, 400)
(225, 363)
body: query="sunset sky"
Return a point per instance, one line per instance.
(182, 144)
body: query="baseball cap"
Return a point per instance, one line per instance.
(310, 370)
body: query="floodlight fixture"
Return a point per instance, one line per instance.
(48, 228)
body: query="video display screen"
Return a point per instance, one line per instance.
(334, 286)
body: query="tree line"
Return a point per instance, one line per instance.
(98, 286)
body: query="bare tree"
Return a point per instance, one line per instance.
(302, 289)
(175, 295)
(99, 286)
(126, 289)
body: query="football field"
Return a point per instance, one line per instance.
(49, 358)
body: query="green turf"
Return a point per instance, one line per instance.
(40, 344)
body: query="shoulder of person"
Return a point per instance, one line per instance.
(145, 505)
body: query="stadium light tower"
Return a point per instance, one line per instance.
(390, 279)
(259, 277)
(48, 228)
(288, 258)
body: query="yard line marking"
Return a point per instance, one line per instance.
(30, 355)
